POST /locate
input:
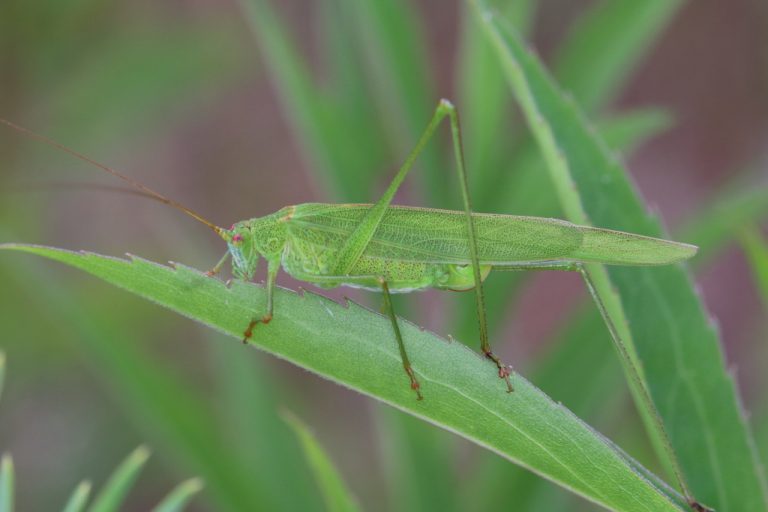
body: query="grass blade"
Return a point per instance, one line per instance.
(419, 462)
(679, 349)
(79, 498)
(150, 71)
(483, 101)
(611, 37)
(624, 133)
(112, 495)
(337, 497)
(393, 41)
(2, 371)
(756, 250)
(718, 224)
(6, 484)
(247, 401)
(178, 498)
(353, 346)
(299, 95)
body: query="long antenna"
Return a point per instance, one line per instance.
(135, 184)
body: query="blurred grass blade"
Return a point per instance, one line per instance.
(394, 41)
(112, 495)
(629, 130)
(349, 106)
(762, 435)
(151, 70)
(354, 346)
(670, 331)
(483, 101)
(6, 484)
(756, 249)
(79, 498)
(720, 221)
(247, 402)
(337, 497)
(419, 462)
(611, 37)
(2, 372)
(299, 95)
(178, 498)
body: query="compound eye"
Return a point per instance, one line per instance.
(237, 239)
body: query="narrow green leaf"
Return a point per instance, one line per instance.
(721, 220)
(178, 498)
(598, 55)
(395, 48)
(350, 106)
(354, 347)
(247, 402)
(2, 371)
(112, 495)
(79, 498)
(582, 344)
(756, 249)
(680, 352)
(483, 102)
(149, 70)
(337, 497)
(762, 435)
(6, 484)
(419, 462)
(299, 95)
(625, 132)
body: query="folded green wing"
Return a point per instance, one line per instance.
(439, 236)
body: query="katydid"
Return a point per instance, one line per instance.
(400, 249)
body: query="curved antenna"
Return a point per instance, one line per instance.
(135, 184)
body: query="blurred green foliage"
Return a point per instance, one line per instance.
(139, 85)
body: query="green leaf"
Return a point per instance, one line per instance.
(624, 133)
(178, 498)
(756, 250)
(247, 404)
(418, 462)
(394, 45)
(721, 220)
(581, 344)
(611, 37)
(353, 346)
(150, 70)
(6, 484)
(299, 95)
(485, 106)
(112, 495)
(2, 371)
(337, 497)
(79, 498)
(668, 327)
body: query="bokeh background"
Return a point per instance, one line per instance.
(201, 101)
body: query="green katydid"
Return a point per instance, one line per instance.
(399, 249)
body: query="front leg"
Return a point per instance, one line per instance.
(217, 268)
(273, 265)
